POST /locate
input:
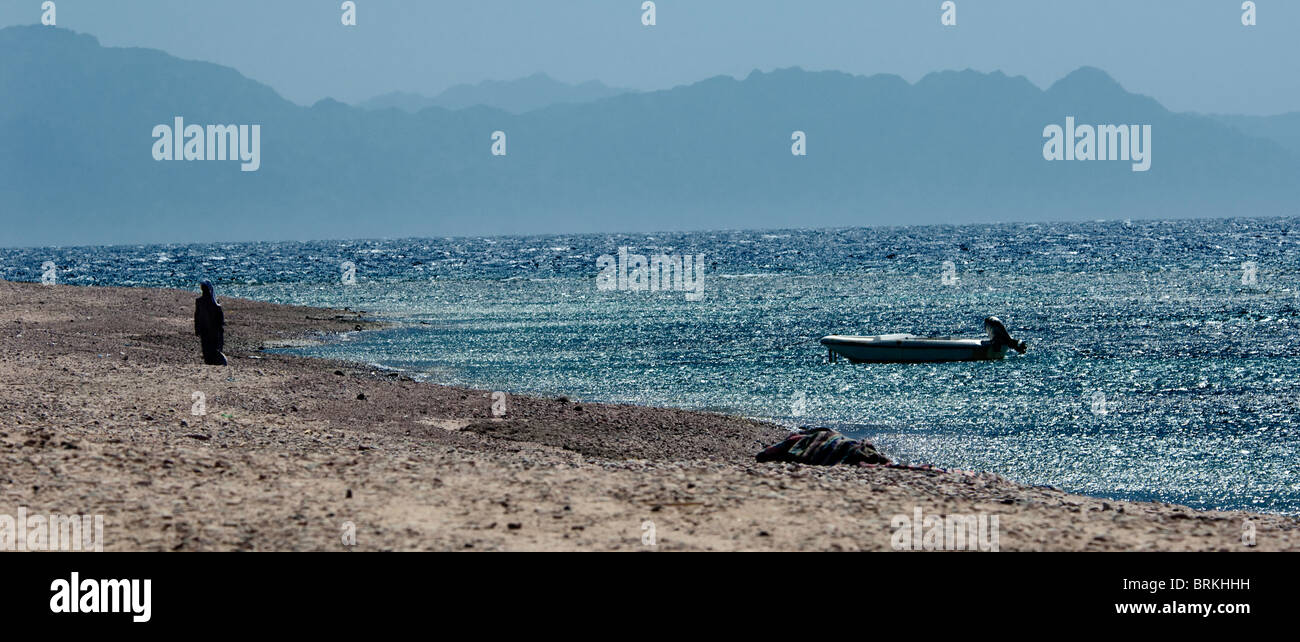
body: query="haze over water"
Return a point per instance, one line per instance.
(1195, 370)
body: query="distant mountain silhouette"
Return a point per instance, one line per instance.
(515, 96)
(955, 147)
(403, 100)
(1283, 129)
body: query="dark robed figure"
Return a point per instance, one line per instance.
(210, 325)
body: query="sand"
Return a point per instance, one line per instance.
(97, 417)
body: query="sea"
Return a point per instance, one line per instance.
(1162, 361)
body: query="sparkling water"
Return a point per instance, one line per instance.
(1162, 360)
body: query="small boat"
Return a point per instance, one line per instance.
(909, 348)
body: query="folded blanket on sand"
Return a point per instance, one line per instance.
(822, 447)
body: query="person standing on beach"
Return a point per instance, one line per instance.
(210, 326)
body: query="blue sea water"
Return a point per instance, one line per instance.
(1158, 368)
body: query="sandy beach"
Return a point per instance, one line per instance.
(97, 416)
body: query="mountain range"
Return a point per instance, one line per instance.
(954, 147)
(1283, 129)
(514, 96)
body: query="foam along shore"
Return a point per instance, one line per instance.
(106, 409)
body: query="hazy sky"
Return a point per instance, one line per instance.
(1192, 55)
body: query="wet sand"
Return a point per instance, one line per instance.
(97, 417)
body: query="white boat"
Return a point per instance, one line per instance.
(909, 348)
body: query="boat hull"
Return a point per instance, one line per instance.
(906, 348)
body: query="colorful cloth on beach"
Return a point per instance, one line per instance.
(822, 447)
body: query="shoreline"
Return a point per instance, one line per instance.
(97, 416)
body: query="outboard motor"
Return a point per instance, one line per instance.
(998, 333)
